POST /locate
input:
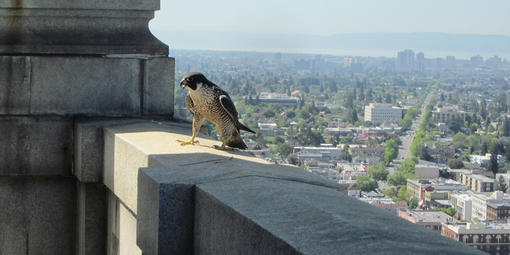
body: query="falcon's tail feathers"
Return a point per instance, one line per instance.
(237, 142)
(245, 128)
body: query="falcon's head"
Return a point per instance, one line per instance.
(192, 80)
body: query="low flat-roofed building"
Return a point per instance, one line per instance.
(427, 171)
(458, 173)
(322, 153)
(477, 182)
(461, 202)
(481, 200)
(446, 113)
(490, 237)
(328, 173)
(339, 131)
(416, 187)
(275, 98)
(498, 209)
(429, 219)
(484, 159)
(386, 204)
(440, 202)
(369, 154)
(378, 113)
(267, 129)
(353, 190)
(352, 175)
(419, 187)
(351, 171)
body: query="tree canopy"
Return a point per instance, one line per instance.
(378, 172)
(366, 183)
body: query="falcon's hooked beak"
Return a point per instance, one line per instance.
(184, 83)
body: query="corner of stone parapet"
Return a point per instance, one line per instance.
(152, 147)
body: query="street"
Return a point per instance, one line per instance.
(405, 149)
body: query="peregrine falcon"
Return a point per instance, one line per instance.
(208, 101)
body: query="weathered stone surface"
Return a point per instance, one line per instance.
(89, 147)
(121, 228)
(38, 216)
(127, 232)
(166, 194)
(92, 4)
(165, 225)
(83, 27)
(88, 151)
(158, 86)
(15, 84)
(85, 85)
(112, 233)
(91, 86)
(35, 145)
(130, 147)
(241, 205)
(91, 219)
(256, 215)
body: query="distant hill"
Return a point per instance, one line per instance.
(363, 44)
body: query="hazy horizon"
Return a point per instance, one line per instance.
(329, 17)
(334, 27)
(377, 44)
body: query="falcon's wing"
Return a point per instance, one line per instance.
(189, 104)
(228, 105)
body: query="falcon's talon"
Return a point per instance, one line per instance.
(190, 142)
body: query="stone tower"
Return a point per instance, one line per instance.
(65, 65)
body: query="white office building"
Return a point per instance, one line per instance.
(379, 113)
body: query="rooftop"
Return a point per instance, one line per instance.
(382, 105)
(494, 227)
(430, 216)
(482, 178)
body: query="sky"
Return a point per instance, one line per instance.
(328, 17)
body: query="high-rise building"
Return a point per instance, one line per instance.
(494, 62)
(405, 60)
(348, 61)
(476, 61)
(352, 64)
(420, 62)
(451, 63)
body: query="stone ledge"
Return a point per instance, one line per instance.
(196, 199)
(89, 145)
(224, 213)
(130, 147)
(166, 193)
(255, 215)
